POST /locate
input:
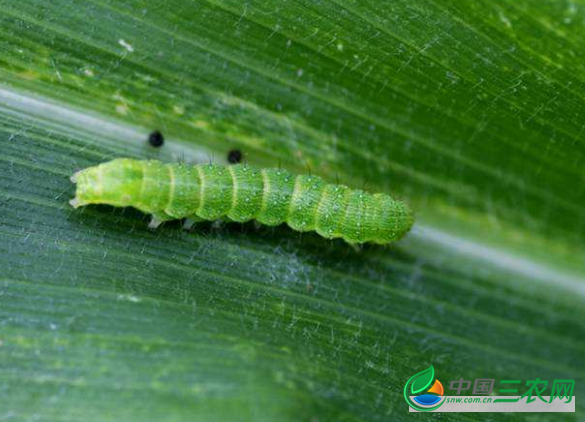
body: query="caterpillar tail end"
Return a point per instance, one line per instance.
(74, 177)
(75, 202)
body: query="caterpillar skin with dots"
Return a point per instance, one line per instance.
(242, 193)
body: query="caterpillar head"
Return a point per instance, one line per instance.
(117, 182)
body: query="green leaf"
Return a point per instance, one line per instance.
(472, 112)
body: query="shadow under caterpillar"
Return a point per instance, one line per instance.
(242, 193)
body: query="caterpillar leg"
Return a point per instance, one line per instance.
(357, 247)
(158, 218)
(191, 220)
(220, 222)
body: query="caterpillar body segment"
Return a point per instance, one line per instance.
(242, 193)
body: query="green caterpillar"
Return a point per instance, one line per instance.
(243, 193)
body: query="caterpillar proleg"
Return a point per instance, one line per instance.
(242, 193)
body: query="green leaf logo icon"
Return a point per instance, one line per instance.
(422, 380)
